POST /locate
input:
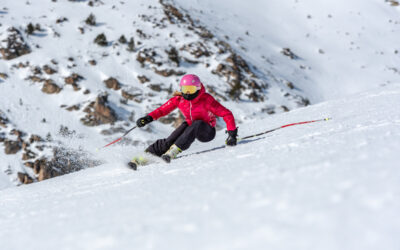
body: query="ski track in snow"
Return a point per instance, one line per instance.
(326, 185)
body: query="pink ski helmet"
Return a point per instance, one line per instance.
(190, 80)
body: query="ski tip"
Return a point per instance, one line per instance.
(328, 118)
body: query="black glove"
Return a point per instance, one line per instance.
(143, 121)
(231, 140)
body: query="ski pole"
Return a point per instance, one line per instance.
(255, 135)
(284, 126)
(119, 139)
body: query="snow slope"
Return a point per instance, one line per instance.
(345, 47)
(342, 48)
(327, 185)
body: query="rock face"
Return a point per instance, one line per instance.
(112, 83)
(14, 45)
(73, 80)
(98, 112)
(24, 178)
(49, 87)
(11, 147)
(3, 120)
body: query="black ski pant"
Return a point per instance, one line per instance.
(183, 137)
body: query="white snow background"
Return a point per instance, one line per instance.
(327, 185)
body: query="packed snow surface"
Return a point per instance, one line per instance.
(326, 185)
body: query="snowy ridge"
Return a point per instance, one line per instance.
(328, 185)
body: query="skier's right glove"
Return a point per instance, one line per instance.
(141, 122)
(231, 140)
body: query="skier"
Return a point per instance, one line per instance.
(200, 110)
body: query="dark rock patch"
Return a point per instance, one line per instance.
(99, 112)
(112, 83)
(49, 87)
(14, 45)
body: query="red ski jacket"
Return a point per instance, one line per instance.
(204, 107)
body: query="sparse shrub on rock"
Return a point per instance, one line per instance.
(122, 39)
(101, 40)
(168, 72)
(132, 94)
(173, 55)
(30, 28)
(14, 45)
(3, 120)
(289, 53)
(172, 13)
(49, 70)
(91, 20)
(143, 79)
(197, 49)
(131, 45)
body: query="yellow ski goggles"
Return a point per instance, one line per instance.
(188, 89)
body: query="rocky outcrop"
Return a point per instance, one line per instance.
(197, 49)
(143, 79)
(393, 2)
(13, 45)
(133, 94)
(101, 40)
(168, 72)
(73, 80)
(112, 83)
(172, 13)
(49, 70)
(289, 53)
(3, 120)
(49, 87)
(12, 147)
(99, 112)
(24, 178)
(3, 76)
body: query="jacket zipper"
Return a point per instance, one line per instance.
(190, 110)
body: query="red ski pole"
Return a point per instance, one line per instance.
(284, 126)
(119, 139)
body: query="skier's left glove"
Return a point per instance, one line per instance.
(141, 122)
(231, 140)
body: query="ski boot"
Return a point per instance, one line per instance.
(172, 152)
(137, 161)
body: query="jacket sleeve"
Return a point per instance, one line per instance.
(217, 109)
(165, 109)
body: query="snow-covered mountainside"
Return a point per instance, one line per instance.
(88, 69)
(327, 185)
(77, 74)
